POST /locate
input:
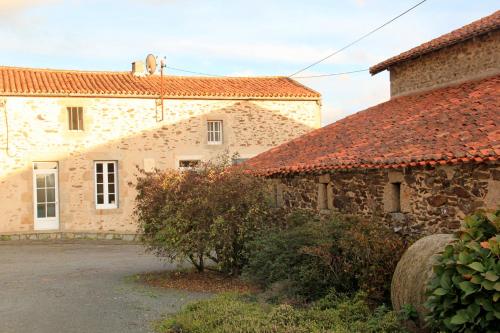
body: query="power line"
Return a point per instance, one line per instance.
(193, 72)
(297, 77)
(332, 74)
(359, 39)
(323, 59)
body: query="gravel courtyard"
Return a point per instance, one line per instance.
(85, 287)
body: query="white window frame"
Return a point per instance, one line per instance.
(45, 168)
(79, 122)
(180, 158)
(212, 131)
(106, 204)
(187, 168)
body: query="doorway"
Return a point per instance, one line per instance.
(46, 195)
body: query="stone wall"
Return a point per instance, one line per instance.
(125, 130)
(475, 58)
(432, 199)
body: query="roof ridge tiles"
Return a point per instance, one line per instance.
(19, 81)
(476, 28)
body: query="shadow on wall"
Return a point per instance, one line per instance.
(248, 129)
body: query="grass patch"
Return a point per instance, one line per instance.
(191, 280)
(236, 313)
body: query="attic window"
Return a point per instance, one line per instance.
(396, 197)
(75, 118)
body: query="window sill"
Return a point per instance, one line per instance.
(109, 211)
(76, 133)
(104, 207)
(214, 143)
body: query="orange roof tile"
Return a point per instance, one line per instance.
(16, 81)
(476, 28)
(444, 126)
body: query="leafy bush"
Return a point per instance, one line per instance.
(277, 256)
(465, 288)
(363, 253)
(210, 212)
(341, 252)
(236, 313)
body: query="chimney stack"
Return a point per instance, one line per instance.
(138, 68)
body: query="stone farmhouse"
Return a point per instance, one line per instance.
(71, 141)
(420, 161)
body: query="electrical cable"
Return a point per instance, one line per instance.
(332, 74)
(323, 59)
(7, 150)
(193, 72)
(359, 39)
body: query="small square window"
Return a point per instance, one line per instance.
(323, 196)
(214, 132)
(189, 164)
(278, 195)
(75, 118)
(396, 197)
(325, 193)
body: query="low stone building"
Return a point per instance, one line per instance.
(422, 160)
(71, 141)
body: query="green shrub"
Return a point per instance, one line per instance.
(277, 257)
(231, 313)
(364, 252)
(210, 212)
(465, 289)
(343, 253)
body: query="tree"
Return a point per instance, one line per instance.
(208, 212)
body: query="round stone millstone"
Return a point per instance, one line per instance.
(414, 271)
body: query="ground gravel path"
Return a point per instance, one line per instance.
(81, 287)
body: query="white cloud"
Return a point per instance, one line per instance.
(107, 47)
(245, 72)
(256, 51)
(10, 7)
(158, 2)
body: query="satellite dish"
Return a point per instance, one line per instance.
(151, 64)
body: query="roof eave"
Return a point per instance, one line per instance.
(386, 64)
(366, 166)
(146, 96)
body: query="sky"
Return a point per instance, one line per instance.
(232, 38)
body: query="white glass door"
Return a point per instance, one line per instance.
(46, 195)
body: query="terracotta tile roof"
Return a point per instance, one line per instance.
(16, 81)
(445, 126)
(476, 28)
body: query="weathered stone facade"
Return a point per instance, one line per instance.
(432, 199)
(126, 130)
(472, 59)
(419, 163)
